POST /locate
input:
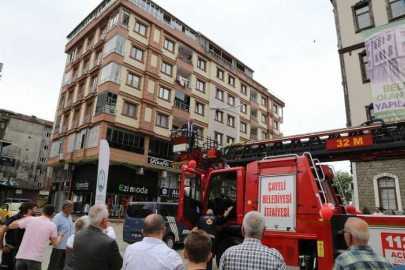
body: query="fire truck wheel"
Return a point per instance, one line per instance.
(169, 240)
(224, 245)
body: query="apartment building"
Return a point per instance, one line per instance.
(23, 170)
(134, 72)
(382, 182)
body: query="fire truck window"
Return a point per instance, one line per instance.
(192, 209)
(192, 187)
(222, 192)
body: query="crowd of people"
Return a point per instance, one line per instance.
(89, 243)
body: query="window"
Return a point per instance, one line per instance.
(137, 53)
(243, 89)
(231, 121)
(160, 149)
(275, 125)
(113, 21)
(133, 80)
(111, 72)
(129, 109)
(362, 16)
(45, 147)
(200, 85)
(264, 101)
(125, 19)
(243, 108)
(201, 64)
(62, 101)
(164, 93)
(166, 69)
(168, 45)
(275, 108)
(125, 140)
(396, 9)
(218, 138)
(220, 94)
(140, 28)
(230, 139)
(231, 80)
(264, 135)
(162, 120)
(115, 45)
(220, 74)
(387, 193)
(106, 103)
(199, 108)
(243, 127)
(219, 116)
(231, 100)
(365, 72)
(263, 118)
(40, 172)
(42, 159)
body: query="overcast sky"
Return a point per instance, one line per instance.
(291, 46)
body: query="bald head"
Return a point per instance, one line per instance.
(153, 225)
(358, 230)
(210, 212)
(191, 120)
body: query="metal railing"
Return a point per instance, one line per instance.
(68, 103)
(74, 124)
(220, 58)
(64, 128)
(89, 47)
(183, 81)
(96, 63)
(108, 110)
(114, 50)
(91, 90)
(56, 130)
(252, 98)
(125, 26)
(79, 97)
(110, 79)
(253, 136)
(100, 38)
(185, 58)
(83, 72)
(181, 105)
(86, 119)
(253, 117)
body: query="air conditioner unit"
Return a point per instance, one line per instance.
(163, 174)
(61, 157)
(140, 171)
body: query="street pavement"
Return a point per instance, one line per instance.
(121, 244)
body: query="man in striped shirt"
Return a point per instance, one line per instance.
(251, 254)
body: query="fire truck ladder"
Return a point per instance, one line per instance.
(387, 141)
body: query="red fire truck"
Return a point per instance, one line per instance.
(285, 180)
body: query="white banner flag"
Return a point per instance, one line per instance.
(102, 173)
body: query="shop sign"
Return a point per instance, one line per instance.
(170, 192)
(18, 191)
(160, 162)
(82, 186)
(133, 189)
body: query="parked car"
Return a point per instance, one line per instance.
(136, 213)
(8, 210)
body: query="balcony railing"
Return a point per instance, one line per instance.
(100, 38)
(110, 79)
(77, 57)
(125, 26)
(64, 128)
(91, 90)
(253, 136)
(114, 50)
(83, 72)
(89, 47)
(74, 124)
(181, 105)
(68, 103)
(185, 58)
(183, 81)
(108, 110)
(220, 58)
(96, 63)
(87, 119)
(56, 130)
(254, 99)
(79, 97)
(253, 117)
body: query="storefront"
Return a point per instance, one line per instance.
(82, 196)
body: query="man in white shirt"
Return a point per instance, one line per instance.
(152, 253)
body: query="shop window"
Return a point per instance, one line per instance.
(222, 192)
(161, 149)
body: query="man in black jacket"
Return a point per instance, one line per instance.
(94, 250)
(189, 130)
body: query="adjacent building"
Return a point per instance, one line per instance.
(376, 183)
(23, 170)
(134, 72)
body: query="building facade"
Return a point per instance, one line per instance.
(133, 73)
(23, 162)
(376, 183)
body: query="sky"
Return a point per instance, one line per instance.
(291, 46)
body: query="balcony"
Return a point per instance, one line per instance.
(69, 103)
(56, 130)
(125, 26)
(253, 137)
(74, 124)
(86, 119)
(185, 59)
(108, 110)
(83, 72)
(79, 97)
(91, 90)
(89, 47)
(114, 50)
(96, 63)
(254, 99)
(110, 79)
(64, 128)
(99, 39)
(253, 117)
(77, 57)
(181, 105)
(183, 81)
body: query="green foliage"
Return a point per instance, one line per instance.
(345, 178)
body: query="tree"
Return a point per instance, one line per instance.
(345, 179)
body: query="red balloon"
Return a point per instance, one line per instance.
(359, 213)
(351, 209)
(326, 213)
(191, 164)
(184, 167)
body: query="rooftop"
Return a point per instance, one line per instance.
(32, 118)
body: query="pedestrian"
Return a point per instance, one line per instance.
(64, 224)
(81, 223)
(152, 253)
(208, 223)
(38, 231)
(92, 249)
(14, 237)
(359, 255)
(252, 254)
(197, 250)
